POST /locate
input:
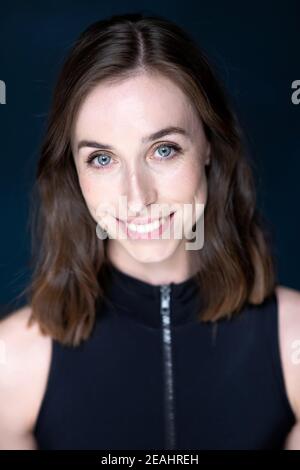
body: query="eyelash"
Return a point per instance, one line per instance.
(175, 147)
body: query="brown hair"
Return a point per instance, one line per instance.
(235, 263)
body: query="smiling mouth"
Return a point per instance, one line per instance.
(154, 227)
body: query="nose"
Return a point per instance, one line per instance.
(140, 191)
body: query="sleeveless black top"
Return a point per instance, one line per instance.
(151, 376)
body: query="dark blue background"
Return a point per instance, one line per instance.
(253, 45)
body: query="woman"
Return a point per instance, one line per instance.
(133, 337)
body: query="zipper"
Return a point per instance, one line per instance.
(165, 297)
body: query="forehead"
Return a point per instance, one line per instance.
(134, 107)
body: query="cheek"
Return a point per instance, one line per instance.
(194, 193)
(201, 188)
(93, 193)
(191, 184)
(89, 188)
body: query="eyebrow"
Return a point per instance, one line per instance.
(147, 139)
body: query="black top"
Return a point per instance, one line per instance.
(151, 376)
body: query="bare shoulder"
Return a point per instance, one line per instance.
(289, 338)
(24, 364)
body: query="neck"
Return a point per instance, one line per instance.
(177, 268)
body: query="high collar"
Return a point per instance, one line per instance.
(135, 298)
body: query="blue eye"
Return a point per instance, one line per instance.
(101, 159)
(101, 162)
(167, 154)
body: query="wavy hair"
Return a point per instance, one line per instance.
(235, 264)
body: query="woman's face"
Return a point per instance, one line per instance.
(134, 176)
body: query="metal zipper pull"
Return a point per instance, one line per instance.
(168, 366)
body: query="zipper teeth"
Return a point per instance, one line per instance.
(168, 367)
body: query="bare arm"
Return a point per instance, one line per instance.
(289, 331)
(14, 441)
(24, 358)
(292, 441)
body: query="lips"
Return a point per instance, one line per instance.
(147, 233)
(144, 221)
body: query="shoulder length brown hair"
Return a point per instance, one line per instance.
(235, 263)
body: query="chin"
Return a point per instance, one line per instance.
(152, 254)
